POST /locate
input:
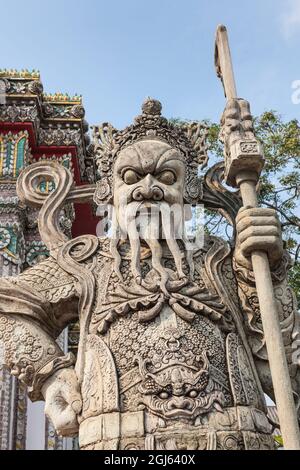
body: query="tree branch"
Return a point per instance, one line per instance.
(294, 222)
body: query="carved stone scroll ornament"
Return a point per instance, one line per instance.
(30, 193)
(71, 257)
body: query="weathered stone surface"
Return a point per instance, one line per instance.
(171, 352)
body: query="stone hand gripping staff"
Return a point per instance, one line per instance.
(243, 164)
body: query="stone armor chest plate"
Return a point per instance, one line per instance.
(162, 376)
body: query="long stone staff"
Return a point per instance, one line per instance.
(243, 165)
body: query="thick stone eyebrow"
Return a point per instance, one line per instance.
(156, 160)
(168, 156)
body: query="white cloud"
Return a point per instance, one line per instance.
(290, 19)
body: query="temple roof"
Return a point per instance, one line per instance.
(52, 120)
(20, 74)
(62, 98)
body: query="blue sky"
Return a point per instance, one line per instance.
(115, 53)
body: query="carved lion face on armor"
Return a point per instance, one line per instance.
(174, 389)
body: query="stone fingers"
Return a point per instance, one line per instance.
(270, 244)
(258, 231)
(247, 211)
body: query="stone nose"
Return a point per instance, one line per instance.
(182, 403)
(147, 190)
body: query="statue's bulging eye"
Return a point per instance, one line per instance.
(166, 177)
(131, 177)
(193, 393)
(164, 395)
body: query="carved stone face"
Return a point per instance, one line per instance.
(177, 390)
(149, 181)
(149, 171)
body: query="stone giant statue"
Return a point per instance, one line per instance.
(171, 352)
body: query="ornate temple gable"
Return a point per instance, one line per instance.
(35, 126)
(52, 120)
(27, 86)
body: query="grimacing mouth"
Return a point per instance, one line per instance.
(192, 407)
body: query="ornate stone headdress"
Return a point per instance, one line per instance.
(189, 139)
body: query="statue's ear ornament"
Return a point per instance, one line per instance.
(104, 146)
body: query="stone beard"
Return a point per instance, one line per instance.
(171, 352)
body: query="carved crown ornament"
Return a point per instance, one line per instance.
(189, 139)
